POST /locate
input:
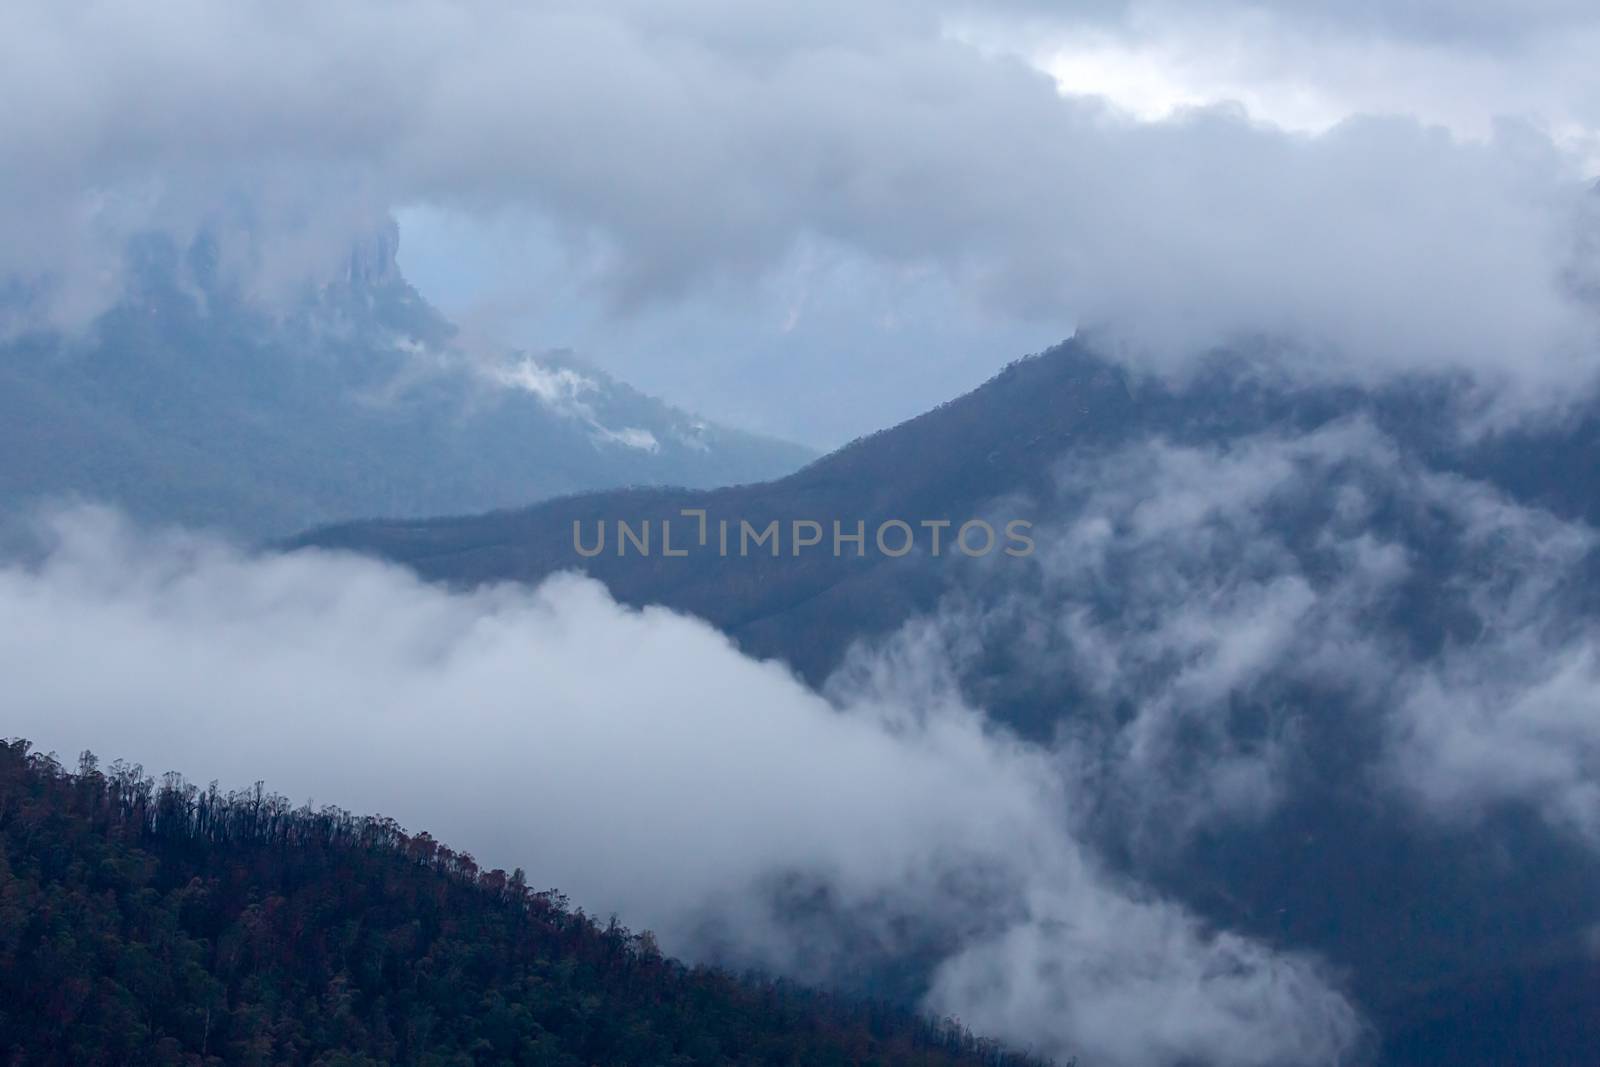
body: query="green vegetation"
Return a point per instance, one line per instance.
(164, 924)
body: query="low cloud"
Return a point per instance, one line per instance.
(689, 790)
(1217, 616)
(747, 818)
(1511, 712)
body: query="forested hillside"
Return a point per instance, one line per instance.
(164, 924)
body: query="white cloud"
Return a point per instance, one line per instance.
(1016, 984)
(697, 147)
(1175, 590)
(1212, 609)
(1513, 713)
(1307, 66)
(679, 791)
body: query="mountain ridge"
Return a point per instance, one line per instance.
(194, 402)
(1003, 439)
(1166, 512)
(161, 923)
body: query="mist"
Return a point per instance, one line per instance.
(748, 819)
(685, 791)
(1437, 633)
(679, 158)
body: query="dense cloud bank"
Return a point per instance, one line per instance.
(687, 787)
(1225, 619)
(678, 150)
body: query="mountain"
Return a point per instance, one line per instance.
(193, 402)
(1320, 655)
(166, 925)
(1004, 442)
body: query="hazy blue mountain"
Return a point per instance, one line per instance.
(1267, 578)
(1005, 441)
(191, 403)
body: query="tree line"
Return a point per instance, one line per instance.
(146, 921)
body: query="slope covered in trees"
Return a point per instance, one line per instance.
(163, 924)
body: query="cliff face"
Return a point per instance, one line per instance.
(374, 261)
(209, 397)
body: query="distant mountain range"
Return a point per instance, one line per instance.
(192, 403)
(1301, 638)
(1001, 445)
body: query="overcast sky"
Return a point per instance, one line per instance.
(817, 219)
